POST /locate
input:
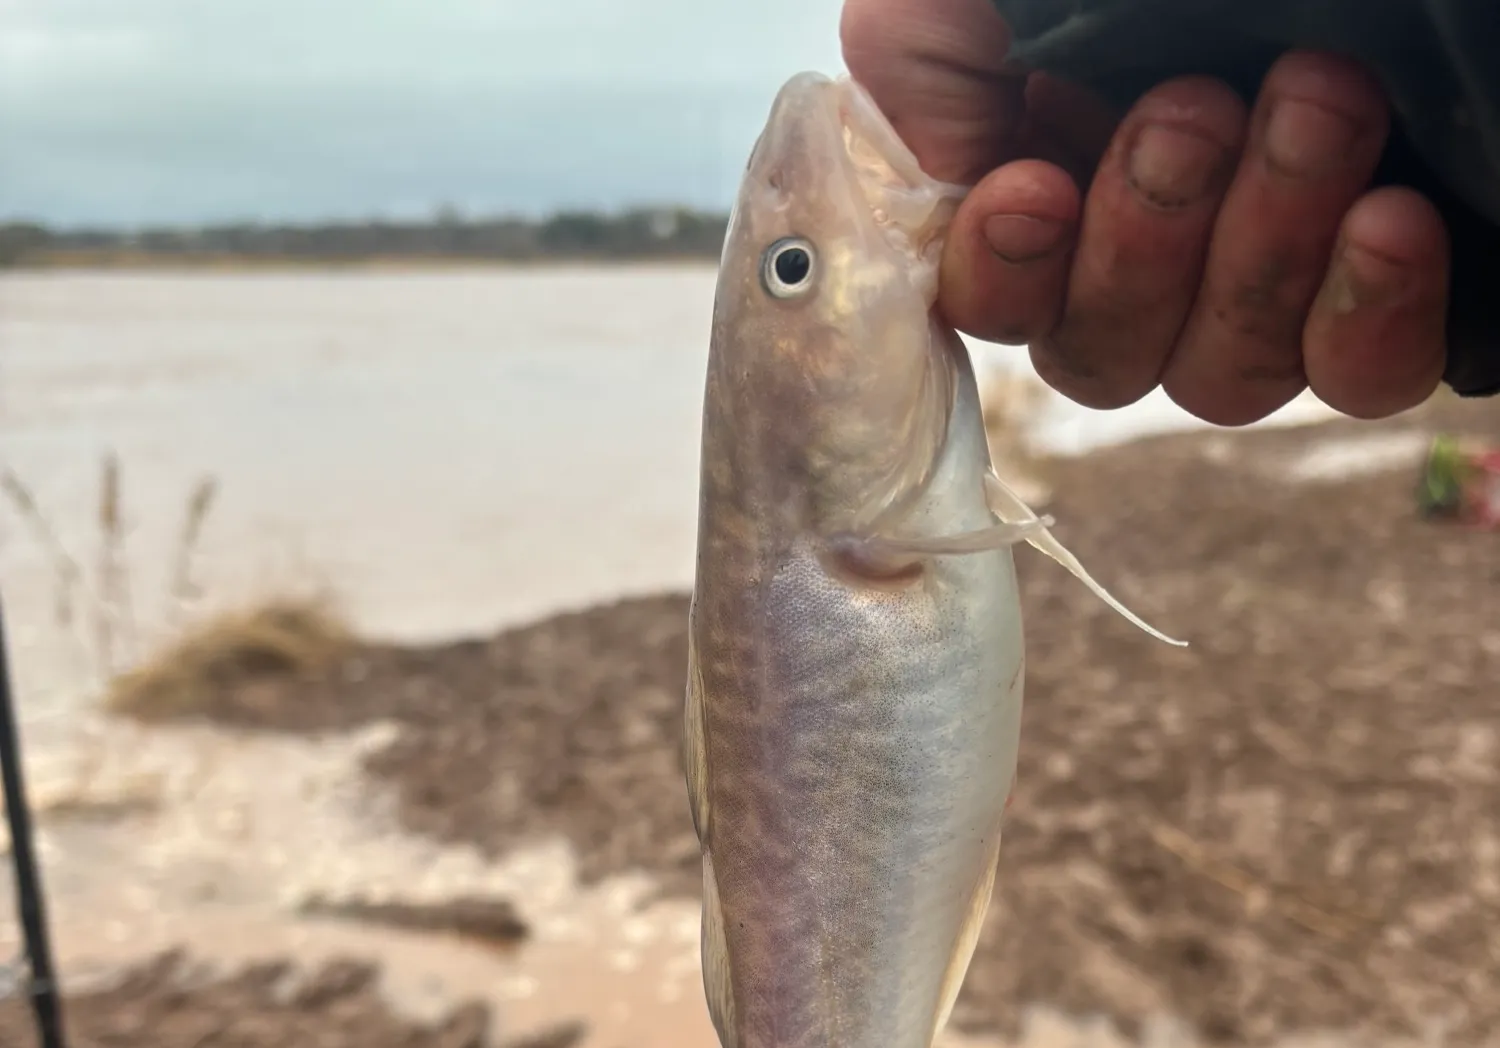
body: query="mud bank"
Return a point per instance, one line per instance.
(1286, 827)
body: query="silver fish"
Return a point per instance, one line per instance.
(855, 672)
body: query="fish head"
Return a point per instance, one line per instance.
(829, 367)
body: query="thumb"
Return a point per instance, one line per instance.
(936, 70)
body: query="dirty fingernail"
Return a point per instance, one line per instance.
(1173, 167)
(1362, 278)
(1019, 239)
(1304, 138)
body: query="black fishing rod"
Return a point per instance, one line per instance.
(40, 981)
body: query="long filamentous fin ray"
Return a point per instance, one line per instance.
(981, 540)
(1012, 509)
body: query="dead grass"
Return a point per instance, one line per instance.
(189, 656)
(283, 638)
(105, 600)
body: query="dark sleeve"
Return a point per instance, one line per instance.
(1473, 370)
(1434, 57)
(1474, 307)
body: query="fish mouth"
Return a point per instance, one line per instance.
(869, 138)
(828, 144)
(911, 207)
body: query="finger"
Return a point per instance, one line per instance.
(934, 67)
(1141, 245)
(1005, 265)
(1315, 137)
(1376, 339)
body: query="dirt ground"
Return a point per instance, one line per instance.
(1288, 826)
(168, 1002)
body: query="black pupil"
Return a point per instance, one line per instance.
(792, 266)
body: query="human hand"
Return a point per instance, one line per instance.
(1233, 256)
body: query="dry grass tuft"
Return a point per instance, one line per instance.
(113, 639)
(283, 638)
(69, 576)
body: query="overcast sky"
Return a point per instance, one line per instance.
(132, 111)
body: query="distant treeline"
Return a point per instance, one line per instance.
(660, 233)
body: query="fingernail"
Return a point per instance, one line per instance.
(1304, 138)
(1019, 239)
(1173, 167)
(1361, 279)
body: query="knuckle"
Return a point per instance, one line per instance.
(1073, 366)
(1269, 303)
(1060, 360)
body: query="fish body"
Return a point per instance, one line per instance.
(856, 661)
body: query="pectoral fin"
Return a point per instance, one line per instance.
(1009, 507)
(694, 749)
(885, 554)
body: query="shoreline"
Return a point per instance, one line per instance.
(103, 262)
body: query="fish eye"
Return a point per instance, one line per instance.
(788, 267)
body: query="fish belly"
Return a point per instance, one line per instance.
(858, 782)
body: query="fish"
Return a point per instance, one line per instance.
(855, 667)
